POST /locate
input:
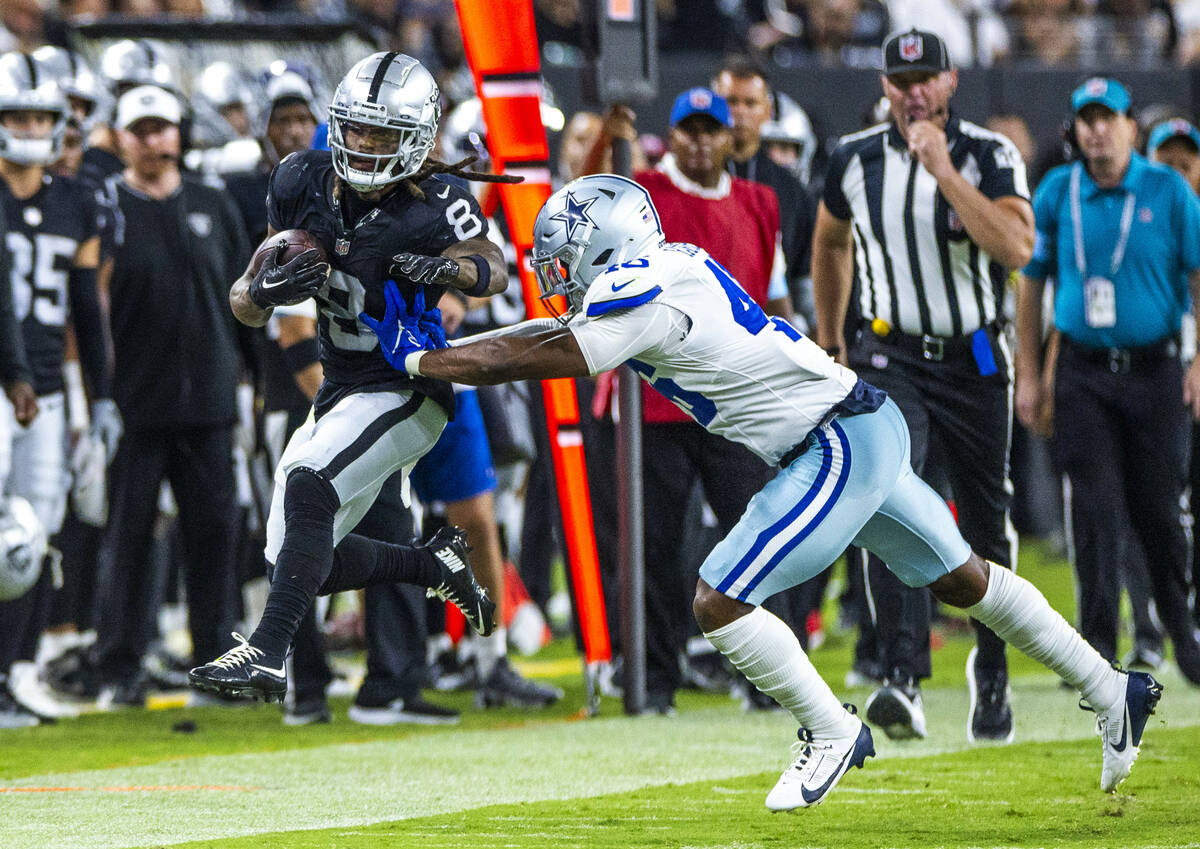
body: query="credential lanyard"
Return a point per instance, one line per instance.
(1118, 255)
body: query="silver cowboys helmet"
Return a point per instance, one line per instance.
(78, 82)
(22, 547)
(390, 92)
(586, 226)
(28, 85)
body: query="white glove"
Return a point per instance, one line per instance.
(106, 425)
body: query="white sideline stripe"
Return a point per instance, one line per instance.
(428, 772)
(512, 88)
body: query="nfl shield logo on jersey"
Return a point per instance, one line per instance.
(342, 247)
(201, 223)
(911, 47)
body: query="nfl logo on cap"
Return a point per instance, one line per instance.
(1096, 86)
(700, 98)
(911, 47)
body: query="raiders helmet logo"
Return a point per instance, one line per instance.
(201, 223)
(911, 48)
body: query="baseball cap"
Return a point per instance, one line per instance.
(1175, 128)
(700, 101)
(915, 50)
(147, 101)
(1104, 91)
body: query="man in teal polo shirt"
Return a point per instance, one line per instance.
(1121, 238)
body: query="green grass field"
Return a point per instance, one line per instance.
(513, 779)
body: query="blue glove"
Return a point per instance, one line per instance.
(400, 332)
(430, 323)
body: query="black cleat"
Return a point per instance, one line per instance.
(457, 584)
(990, 718)
(245, 672)
(504, 686)
(896, 708)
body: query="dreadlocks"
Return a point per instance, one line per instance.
(433, 166)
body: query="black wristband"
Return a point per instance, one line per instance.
(484, 270)
(301, 355)
(833, 350)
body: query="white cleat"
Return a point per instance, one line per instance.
(818, 767)
(1121, 727)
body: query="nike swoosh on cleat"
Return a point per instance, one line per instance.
(814, 795)
(1120, 745)
(617, 288)
(281, 671)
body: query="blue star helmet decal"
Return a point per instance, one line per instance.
(575, 215)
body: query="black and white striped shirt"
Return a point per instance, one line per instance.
(916, 266)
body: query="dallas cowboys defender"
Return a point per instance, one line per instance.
(678, 318)
(380, 218)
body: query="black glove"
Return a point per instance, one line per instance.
(296, 281)
(427, 270)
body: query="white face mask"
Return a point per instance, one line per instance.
(29, 151)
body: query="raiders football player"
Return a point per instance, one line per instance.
(379, 214)
(53, 246)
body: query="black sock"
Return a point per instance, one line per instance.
(361, 562)
(304, 562)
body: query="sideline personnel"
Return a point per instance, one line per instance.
(1119, 235)
(930, 211)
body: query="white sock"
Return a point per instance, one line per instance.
(768, 653)
(1017, 611)
(490, 649)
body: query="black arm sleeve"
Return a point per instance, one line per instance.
(91, 335)
(13, 365)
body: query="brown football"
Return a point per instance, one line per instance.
(295, 242)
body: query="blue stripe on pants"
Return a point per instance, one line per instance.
(816, 520)
(764, 538)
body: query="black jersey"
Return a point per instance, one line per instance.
(44, 232)
(249, 191)
(176, 341)
(301, 196)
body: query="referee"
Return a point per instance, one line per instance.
(929, 212)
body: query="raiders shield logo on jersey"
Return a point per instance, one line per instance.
(201, 223)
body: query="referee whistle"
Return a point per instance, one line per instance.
(880, 327)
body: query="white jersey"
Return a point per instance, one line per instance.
(689, 329)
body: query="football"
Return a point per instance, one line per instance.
(295, 242)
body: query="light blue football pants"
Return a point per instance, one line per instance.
(853, 484)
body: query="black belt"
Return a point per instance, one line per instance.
(1121, 360)
(931, 348)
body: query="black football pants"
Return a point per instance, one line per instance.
(1122, 440)
(968, 417)
(198, 463)
(675, 456)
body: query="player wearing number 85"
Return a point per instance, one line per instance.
(51, 249)
(381, 216)
(688, 328)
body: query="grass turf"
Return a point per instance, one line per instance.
(507, 778)
(1026, 795)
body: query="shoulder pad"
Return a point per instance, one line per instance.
(620, 287)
